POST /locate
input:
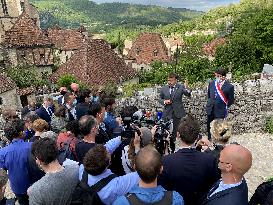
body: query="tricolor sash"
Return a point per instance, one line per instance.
(221, 94)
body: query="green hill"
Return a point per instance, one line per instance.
(107, 16)
(247, 28)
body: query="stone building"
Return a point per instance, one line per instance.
(26, 95)
(66, 41)
(8, 94)
(10, 10)
(96, 64)
(147, 48)
(209, 49)
(172, 44)
(26, 44)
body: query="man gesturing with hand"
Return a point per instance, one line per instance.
(171, 98)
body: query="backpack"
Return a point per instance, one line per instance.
(262, 193)
(86, 195)
(166, 200)
(65, 152)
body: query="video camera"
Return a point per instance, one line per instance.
(139, 119)
(161, 134)
(129, 128)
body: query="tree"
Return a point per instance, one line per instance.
(26, 76)
(242, 53)
(66, 80)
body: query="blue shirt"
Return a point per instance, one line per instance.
(150, 195)
(115, 188)
(14, 158)
(110, 121)
(111, 125)
(223, 187)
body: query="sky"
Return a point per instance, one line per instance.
(200, 5)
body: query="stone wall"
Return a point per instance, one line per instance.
(10, 99)
(29, 56)
(64, 56)
(141, 67)
(13, 7)
(253, 104)
(5, 25)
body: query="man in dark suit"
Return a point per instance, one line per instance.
(63, 91)
(188, 171)
(70, 103)
(171, 98)
(220, 98)
(46, 110)
(83, 104)
(27, 109)
(234, 162)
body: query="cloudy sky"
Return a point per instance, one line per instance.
(201, 5)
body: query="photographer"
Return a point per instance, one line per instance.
(112, 123)
(129, 152)
(221, 132)
(97, 110)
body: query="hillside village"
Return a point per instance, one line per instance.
(54, 52)
(73, 51)
(193, 52)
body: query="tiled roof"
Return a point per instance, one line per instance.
(6, 83)
(25, 33)
(210, 48)
(66, 39)
(26, 91)
(149, 47)
(96, 64)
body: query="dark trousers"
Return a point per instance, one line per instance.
(176, 122)
(22, 199)
(211, 117)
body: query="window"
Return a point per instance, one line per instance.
(1, 101)
(137, 51)
(21, 54)
(22, 3)
(155, 52)
(44, 75)
(4, 7)
(42, 59)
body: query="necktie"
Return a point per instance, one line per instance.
(49, 112)
(172, 91)
(216, 185)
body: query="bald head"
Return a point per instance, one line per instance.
(148, 164)
(74, 87)
(239, 157)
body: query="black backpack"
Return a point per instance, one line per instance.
(262, 194)
(65, 152)
(166, 200)
(86, 195)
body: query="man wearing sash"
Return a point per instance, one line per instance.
(220, 98)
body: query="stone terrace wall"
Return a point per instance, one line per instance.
(253, 105)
